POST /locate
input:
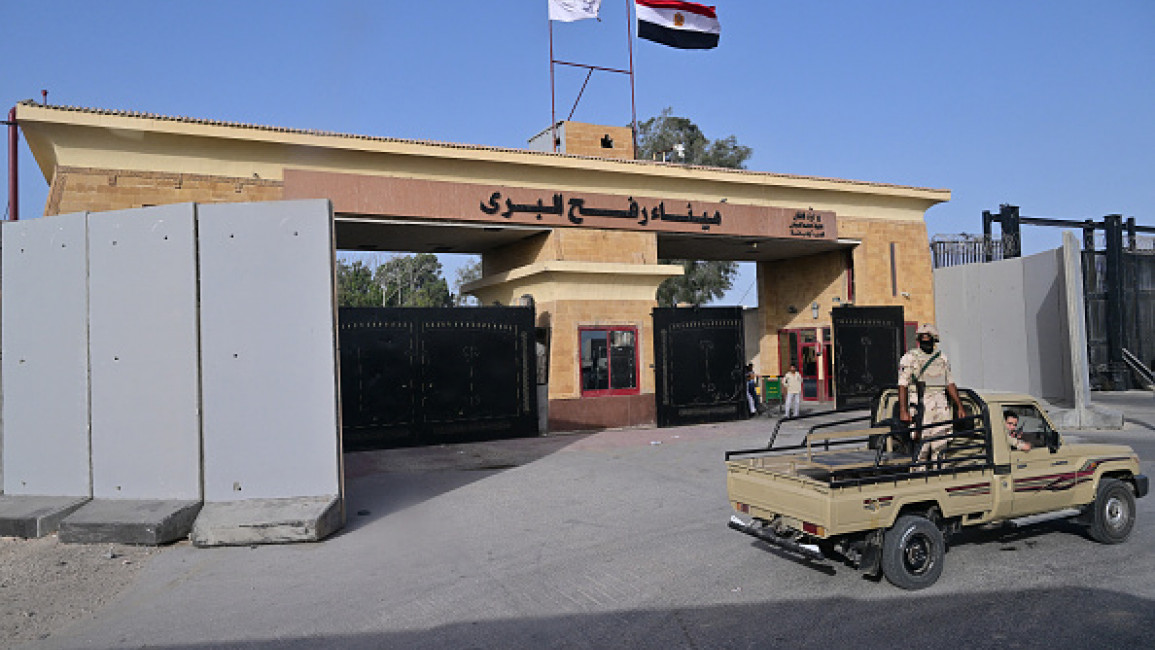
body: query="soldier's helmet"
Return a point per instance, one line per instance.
(927, 328)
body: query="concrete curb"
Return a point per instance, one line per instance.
(267, 521)
(35, 516)
(129, 521)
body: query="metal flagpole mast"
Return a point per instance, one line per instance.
(633, 101)
(552, 93)
(553, 62)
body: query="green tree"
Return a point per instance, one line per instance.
(355, 285)
(678, 140)
(413, 281)
(466, 273)
(701, 282)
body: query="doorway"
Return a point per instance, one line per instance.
(809, 349)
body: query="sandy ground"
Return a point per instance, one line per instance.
(46, 585)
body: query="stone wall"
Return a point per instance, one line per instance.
(574, 245)
(822, 278)
(76, 189)
(586, 140)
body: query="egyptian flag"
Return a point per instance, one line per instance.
(686, 25)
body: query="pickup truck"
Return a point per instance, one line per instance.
(862, 496)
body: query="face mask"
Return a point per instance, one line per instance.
(926, 345)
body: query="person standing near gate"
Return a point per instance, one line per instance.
(792, 387)
(751, 389)
(927, 370)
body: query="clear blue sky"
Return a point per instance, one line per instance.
(1048, 105)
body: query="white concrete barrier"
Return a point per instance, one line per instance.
(44, 435)
(271, 428)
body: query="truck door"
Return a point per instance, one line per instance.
(1042, 480)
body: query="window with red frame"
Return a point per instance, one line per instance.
(609, 360)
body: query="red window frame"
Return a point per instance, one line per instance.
(606, 329)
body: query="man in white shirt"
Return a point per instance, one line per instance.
(792, 387)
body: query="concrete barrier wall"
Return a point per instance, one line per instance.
(1003, 325)
(268, 348)
(44, 442)
(143, 353)
(1048, 333)
(158, 357)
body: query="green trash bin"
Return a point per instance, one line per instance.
(772, 392)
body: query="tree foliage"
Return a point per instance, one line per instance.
(355, 285)
(403, 281)
(661, 138)
(701, 282)
(413, 281)
(466, 273)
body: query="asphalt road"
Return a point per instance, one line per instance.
(619, 539)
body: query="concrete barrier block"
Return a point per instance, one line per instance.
(271, 427)
(129, 521)
(44, 443)
(267, 521)
(143, 354)
(33, 516)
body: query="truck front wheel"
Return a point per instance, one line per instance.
(1113, 512)
(912, 553)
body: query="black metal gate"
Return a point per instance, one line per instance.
(421, 376)
(867, 347)
(1135, 314)
(699, 355)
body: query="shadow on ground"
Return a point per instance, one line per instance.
(381, 482)
(1059, 617)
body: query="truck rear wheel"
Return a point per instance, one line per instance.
(1113, 512)
(912, 553)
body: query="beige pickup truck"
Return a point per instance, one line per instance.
(860, 495)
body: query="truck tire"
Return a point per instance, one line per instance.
(1113, 512)
(912, 553)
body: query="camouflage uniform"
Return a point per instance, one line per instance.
(935, 402)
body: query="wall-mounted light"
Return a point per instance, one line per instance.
(814, 310)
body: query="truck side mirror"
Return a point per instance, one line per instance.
(1053, 440)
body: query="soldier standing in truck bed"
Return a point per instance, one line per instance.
(926, 370)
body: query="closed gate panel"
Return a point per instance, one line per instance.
(418, 376)
(700, 359)
(379, 379)
(867, 347)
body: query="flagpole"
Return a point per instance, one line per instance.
(552, 94)
(633, 101)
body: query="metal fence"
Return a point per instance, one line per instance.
(955, 250)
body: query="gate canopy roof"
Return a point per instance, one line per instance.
(422, 196)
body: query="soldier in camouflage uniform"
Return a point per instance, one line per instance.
(927, 365)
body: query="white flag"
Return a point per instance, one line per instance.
(571, 10)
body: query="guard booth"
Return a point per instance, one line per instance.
(424, 376)
(699, 356)
(868, 343)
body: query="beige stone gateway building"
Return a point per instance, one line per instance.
(581, 231)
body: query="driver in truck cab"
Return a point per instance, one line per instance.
(925, 371)
(1014, 435)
